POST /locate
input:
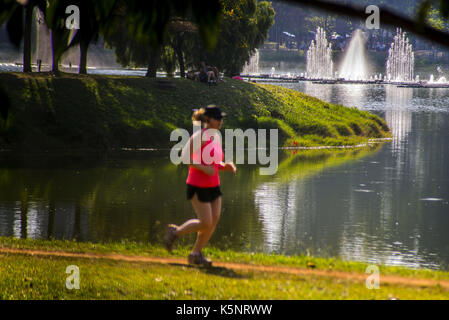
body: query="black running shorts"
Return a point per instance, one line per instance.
(203, 194)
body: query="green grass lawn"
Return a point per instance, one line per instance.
(104, 112)
(26, 277)
(36, 277)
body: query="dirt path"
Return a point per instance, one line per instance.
(393, 280)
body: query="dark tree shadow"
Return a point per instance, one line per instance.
(217, 271)
(5, 104)
(225, 272)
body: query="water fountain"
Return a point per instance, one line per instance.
(401, 59)
(354, 66)
(319, 57)
(252, 66)
(42, 49)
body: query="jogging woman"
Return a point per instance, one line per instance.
(203, 184)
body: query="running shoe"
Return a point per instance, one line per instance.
(170, 237)
(199, 259)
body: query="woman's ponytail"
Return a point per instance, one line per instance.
(199, 115)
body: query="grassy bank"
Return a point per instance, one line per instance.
(39, 277)
(104, 112)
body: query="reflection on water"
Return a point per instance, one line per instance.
(398, 114)
(384, 205)
(278, 213)
(382, 208)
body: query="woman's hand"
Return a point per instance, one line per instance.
(230, 166)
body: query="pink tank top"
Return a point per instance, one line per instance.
(197, 177)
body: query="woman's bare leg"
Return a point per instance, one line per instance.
(207, 234)
(201, 225)
(203, 233)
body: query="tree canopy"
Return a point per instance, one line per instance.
(141, 34)
(142, 28)
(243, 28)
(147, 21)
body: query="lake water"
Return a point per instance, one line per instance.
(387, 204)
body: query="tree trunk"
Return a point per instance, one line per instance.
(55, 65)
(83, 57)
(178, 49)
(27, 39)
(153, 63)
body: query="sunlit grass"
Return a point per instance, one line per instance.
(34, 277)
(93, 111)
(144, 249)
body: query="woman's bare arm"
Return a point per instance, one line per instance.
(188, 151)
